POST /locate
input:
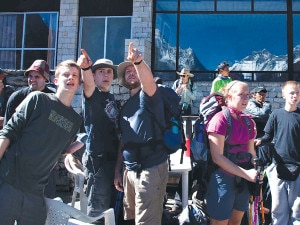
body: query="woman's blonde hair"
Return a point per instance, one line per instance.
(228, 88)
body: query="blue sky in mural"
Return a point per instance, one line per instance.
(215, 38)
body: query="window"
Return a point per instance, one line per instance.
(107, 39)
(252, 35)
(25, 37)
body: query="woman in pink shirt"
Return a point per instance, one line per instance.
(228, 196)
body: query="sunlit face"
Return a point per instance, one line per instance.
(68, 79)
(291, 94)
(36, 81)
(238, 97)
(103, 78)
(131, 77)
(224, 72)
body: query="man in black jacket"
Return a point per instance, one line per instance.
(37, 76)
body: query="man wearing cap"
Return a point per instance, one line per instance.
(185, 89)
(37, 77)
(146, 166)
(100, 115)
(5, 92)
(222, 79)
(259, 109)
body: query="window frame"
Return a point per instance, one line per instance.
(211, 74)
(52, 59)
(106, 24)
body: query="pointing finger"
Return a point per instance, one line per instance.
(130, 47)
(85, 54)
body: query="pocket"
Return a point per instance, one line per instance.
(289, 172)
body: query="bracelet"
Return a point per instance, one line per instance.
(85, 69)
(138, 63)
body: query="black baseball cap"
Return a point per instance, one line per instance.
(259, 89)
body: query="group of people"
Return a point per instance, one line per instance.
(226, 200)
(40, 125)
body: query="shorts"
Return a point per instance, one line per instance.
(223, 196)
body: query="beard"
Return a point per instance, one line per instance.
(133, 85)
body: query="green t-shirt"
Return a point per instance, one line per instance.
(219, 83)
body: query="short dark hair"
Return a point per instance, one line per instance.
(222, 65)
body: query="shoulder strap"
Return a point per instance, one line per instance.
(192, 84)
(229, 122)
(247, 120)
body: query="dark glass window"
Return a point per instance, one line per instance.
(194, 5)
(108, 37)
(274, 5)
(297, 45)
(165, 42)
(25, 37)
(296, 5)
(251, 35)
(166, 5)
(234, 5)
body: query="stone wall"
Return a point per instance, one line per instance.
(203, 89)
(17, 79)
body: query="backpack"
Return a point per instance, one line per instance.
(174, 137)
(200, 152)
(209, 106)
(192, 215)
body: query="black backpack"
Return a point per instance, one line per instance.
(174, 137)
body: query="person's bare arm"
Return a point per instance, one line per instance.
(216, 143)
(145, 75)
(118, 181)
(73, 147)
(84, 61)
(251, 149)
(4, 143)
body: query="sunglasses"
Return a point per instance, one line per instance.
(183, 75)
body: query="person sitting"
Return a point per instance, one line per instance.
(259, 109)
(37, 77)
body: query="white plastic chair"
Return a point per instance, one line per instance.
(75, 167)
(63, 214)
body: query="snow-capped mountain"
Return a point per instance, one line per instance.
(166, 56)
(261, 61)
